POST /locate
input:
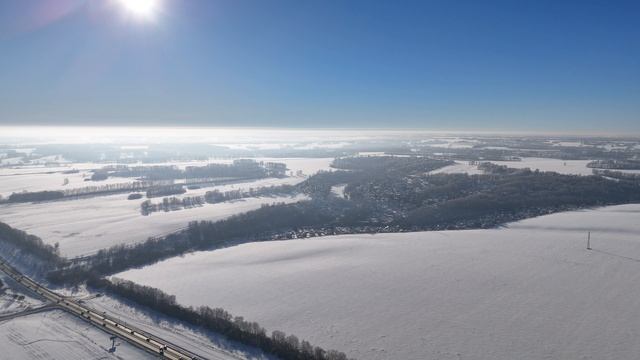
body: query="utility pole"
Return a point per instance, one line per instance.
(589, 240)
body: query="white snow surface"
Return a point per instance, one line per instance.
(32, 182)
(244, 185)
(338, 190)
(39, 178)
(459, 168)
(84, 226)
(56, 335)
(204, 343)
(13, 299)
(530, 290)
(308, 166)
(569, 167)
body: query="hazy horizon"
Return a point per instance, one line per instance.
(68, 134)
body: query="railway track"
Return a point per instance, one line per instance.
(109, 324)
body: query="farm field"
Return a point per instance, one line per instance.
(459, 168)
(84, 226)
(569, 167)
(530, 290)
(40, 178)
(46, 179)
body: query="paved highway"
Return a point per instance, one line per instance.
(132, 335)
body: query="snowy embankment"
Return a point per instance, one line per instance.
(527, 291)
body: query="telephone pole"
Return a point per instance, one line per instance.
(589, 240)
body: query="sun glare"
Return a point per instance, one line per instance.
(141, 8)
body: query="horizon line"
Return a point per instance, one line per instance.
(586, 133)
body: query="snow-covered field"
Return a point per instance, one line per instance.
(459, 168)
(527, 291)
(84, 226)
(243, 185)
(570, 167)
(50, 181)
(39, 178)
(57, 335)
(308, 166)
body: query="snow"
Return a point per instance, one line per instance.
(58, 335)
(527, 291)
(84, 226)
(372, 153)
(13, 299)
(568, 143)
(569, 167)
(496, 148)
(205, 343)
(50, 181)
(459, 168)
(244, 185)
(451, 143)
(338, 190)
(11, 161)
(39, 178)
(612, 147)
(308, 166)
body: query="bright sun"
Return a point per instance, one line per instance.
(141, 8)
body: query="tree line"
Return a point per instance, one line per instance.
(214, 197)
(379, 201)
(220, 321)
(258, 224)
(171, 204)
(105, 189)
(165, 190)
(615, 164)
(390, 163)
(619, 175)
(214, 319)
(32, 244)
(242, 168)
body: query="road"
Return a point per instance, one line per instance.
(108, 323)
(28, 312)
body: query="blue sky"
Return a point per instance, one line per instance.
(452, 65)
